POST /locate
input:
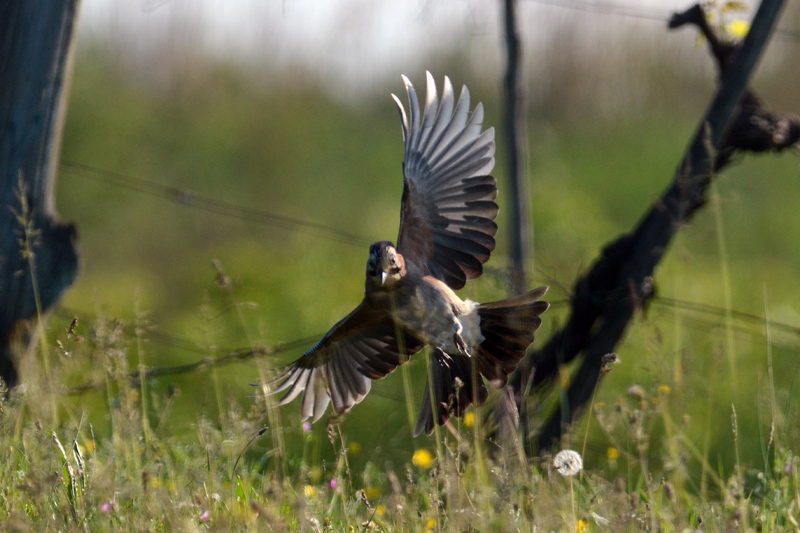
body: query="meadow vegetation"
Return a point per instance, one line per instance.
(695, 428)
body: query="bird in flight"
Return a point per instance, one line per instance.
(446, 234)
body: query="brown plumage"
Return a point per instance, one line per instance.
(446, 234)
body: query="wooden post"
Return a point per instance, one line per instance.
(514, 126)
(38, 257)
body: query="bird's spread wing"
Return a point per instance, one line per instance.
(447, 217)
(340, 368)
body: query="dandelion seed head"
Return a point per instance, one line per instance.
(568, 462)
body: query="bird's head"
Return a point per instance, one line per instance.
(385, 266)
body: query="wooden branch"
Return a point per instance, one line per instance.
(620, 282)
(38, 260)
(514, 126)
(755, 128)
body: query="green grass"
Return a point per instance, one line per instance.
(130, 470)
(159, 453)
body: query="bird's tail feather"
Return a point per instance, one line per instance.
(508, 328)
(454, 389)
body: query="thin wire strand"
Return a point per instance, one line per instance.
(191, 199)
(240, 355)
(718, 311)
(231, 355)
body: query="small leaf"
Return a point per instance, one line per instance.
(734, 6)
(240, 493)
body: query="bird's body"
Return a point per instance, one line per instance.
(446, 234)
(428, 307)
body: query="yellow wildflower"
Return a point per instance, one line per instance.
(354, 448)
(372, 492)
(310, 491)
(737, 28)
(469, 420)
(664, 390)
(423, 459)
(582, 526)
(612, 453)
(380, 510)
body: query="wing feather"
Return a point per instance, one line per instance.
(447, 219)
(340, 368)
(430, 115)
(456, 123)
(443, 115)
(321, 401)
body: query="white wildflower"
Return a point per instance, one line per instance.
(568, 462)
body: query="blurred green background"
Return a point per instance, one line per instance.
(292, 117)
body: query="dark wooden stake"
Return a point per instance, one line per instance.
(514, 126)
(38, 259)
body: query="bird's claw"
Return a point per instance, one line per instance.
(460, 344)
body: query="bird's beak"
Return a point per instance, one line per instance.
(384, 275)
